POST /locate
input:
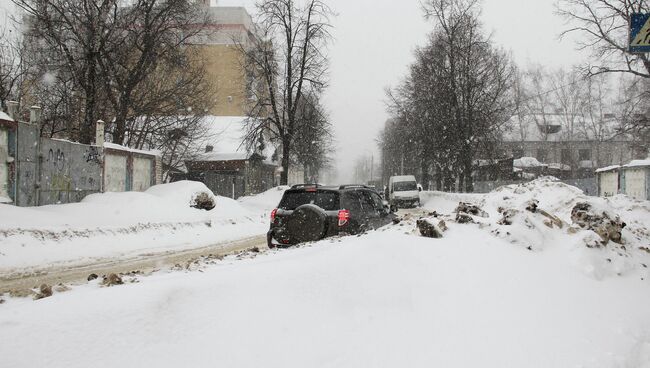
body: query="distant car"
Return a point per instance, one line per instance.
(312, 212)
(403, 192)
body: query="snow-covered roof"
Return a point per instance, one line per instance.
(216, 156)
(527, 162)
(608, 168)
(559, 166)
(638, 163)
(4, 116)
(402, 178)
(554, 128)
(226, 136)
(118, 147)
(587, 164)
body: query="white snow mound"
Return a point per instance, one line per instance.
(550, 228)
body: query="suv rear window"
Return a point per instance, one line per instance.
(329, 201)
(404, 186)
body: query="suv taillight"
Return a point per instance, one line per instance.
(344, 216)
(273, 213)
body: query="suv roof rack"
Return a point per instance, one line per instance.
(350, 186)
(302, 186)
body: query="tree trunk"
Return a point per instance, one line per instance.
(120, 121)
(87, 131)
(425, 175)
(284, 175)
(467, 170)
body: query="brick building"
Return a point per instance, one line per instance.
(219, 46)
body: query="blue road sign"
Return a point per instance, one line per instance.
(640, 33)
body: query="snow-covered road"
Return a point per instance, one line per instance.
(491, 293)
(386, 299)
(21, 282)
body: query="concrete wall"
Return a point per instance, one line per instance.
(4, 165)
(50, 171)
(68, 171)
(26, 161)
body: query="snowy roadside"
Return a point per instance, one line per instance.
(387, 299)
(124, 226)
(540, 216)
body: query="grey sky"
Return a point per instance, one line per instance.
(374, 42)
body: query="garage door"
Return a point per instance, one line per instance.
(609, 184)
(142, 169)
(115, 173)
(4, 167)
(635, 184)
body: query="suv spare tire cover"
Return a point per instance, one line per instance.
(306, 223)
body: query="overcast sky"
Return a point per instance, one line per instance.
(374, 43)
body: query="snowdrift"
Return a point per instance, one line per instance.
(537, 216)
(123, 224)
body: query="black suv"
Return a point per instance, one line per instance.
(309, 212)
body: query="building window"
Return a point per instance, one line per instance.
(565, 156)
(542, 155)
(584, 155)
(549, 129)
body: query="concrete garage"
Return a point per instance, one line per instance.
(635, 179)
(608, 183)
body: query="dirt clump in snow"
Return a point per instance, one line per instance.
(204, 201)
(112, 280)
(463, 218)
(44, 291)
(606, 226)
(431, 230)
(471, 209)
(507, 216)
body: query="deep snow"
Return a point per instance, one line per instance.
(537, 297)
(114, 225)
(383, 300)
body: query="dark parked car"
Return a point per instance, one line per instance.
(312, 212)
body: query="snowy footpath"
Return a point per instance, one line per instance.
(489, 293)
(125, 226)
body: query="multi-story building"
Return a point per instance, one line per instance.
(571, 146)
(220, 46)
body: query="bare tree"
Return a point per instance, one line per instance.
(313, 141)
(603, 28)
(288, 61)
(144, 35)
(12, 66)
(74, 32)
(479, 77)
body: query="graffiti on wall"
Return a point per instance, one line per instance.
(56, 158)
(92, 155)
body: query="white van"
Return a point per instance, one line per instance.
(403, 192)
